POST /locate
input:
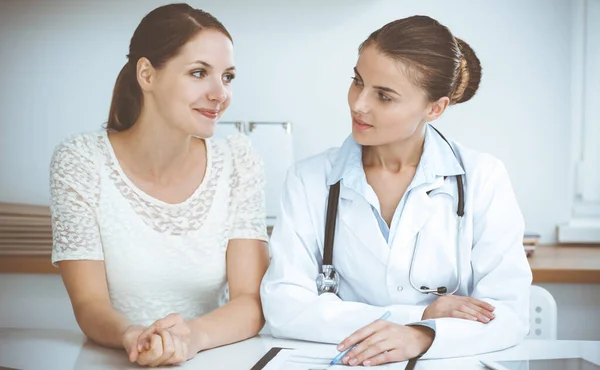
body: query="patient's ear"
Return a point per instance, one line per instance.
(145, 74)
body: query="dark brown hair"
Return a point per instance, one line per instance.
(159, 37)
(441, 64)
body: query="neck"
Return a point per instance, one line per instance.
(396, 156)
(156, 148)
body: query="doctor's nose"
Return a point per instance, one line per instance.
(360, 104)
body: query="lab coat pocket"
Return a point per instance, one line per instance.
(360, 264)
(435, 253)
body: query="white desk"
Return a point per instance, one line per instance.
(56, 349)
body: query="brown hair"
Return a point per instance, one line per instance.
(159, 37)
(441, 64)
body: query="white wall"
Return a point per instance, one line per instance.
(35, 301)
(59, 61)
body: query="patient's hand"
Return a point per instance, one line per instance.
(164, 348)
(130, 341)
(461, 308)
(166, 342)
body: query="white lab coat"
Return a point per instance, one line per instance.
(374, 276)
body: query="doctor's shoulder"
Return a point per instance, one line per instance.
(313, 171)
(482, 169)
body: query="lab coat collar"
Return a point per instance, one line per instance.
(437, 160)
(347, 165)
(440, 159)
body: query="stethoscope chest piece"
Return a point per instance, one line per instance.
(328, 281)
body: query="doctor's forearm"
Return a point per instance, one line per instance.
(241, 318)
(340, 318)
(459, 337)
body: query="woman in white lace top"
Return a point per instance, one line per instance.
(151, 217)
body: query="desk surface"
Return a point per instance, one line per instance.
(56, 349)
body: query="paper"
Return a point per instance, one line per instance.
(291, 359)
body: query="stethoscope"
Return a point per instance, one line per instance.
(328, 281)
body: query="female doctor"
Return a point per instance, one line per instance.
(424, 228)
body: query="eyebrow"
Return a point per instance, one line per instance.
(207, 65)
(382, 88)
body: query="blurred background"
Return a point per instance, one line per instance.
(541, 78)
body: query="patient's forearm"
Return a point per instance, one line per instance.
(241, 318)
(102, 323)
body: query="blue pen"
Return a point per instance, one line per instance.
(337, 359)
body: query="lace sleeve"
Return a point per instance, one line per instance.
(74, 190)
(248, 183)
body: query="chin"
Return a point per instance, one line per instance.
(365, 138)
(204, 134)
(203, 129)
(370, 140)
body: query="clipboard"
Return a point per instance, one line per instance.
(270, 355)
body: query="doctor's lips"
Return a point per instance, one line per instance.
(360, 124)
(210, 113)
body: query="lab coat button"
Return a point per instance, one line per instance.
(399, 288)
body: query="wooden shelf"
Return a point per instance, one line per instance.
(25, 239)
(26, 264)
(575, 264)
(566, 263)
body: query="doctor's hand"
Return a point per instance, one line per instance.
(383, 342)
(461, 308)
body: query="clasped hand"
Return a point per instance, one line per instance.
(166, 342)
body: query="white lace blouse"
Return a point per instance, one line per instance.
(160, 258)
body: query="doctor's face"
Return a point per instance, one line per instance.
(386, 106)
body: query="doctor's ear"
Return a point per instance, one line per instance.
(436, 108)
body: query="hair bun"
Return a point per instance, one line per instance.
(469, 75)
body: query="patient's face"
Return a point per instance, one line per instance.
(193, 89)
(386, 106)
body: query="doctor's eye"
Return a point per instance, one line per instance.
(356, 81)
(383, 97)
(200, 73)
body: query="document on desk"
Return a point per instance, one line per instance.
(292, 359)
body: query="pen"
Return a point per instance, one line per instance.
(337, 359)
